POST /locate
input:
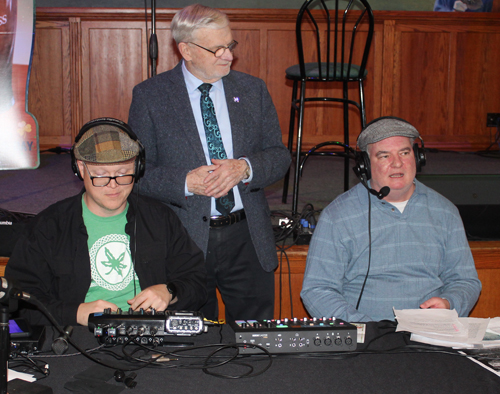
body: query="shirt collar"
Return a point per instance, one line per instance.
(192, 83)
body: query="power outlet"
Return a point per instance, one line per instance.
(492, 119)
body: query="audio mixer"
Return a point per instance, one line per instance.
(146, 328)
(295, 335)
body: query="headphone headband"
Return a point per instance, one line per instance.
(140, 159)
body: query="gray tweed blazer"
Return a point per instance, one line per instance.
(162, 118)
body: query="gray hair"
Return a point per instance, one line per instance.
(193, 17)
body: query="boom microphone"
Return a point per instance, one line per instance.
(379, 194)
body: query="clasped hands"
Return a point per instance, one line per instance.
(217, 179)
(154, 297)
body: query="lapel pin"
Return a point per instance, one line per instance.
(236, 99)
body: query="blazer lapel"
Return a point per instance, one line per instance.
(237, 116)
(183, 113)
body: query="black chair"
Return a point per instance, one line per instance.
(336, 41)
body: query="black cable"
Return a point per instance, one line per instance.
(369, 247)
(53, 321)
(146, 34)
(249, 374)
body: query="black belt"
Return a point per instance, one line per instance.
(232, 218)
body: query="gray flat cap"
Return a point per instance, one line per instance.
(385, 127)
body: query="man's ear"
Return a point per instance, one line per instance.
(81, 168)
(185, 51)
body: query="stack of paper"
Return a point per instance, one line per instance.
(443, 327)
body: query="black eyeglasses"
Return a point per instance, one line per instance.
(101, 181)
(221, 50)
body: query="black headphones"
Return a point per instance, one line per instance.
(363, 167)
(140, 160)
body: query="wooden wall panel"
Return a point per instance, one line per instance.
(477, 85)
(421, 91)
(280, 56)
(168, 55)
(445, 80)
(247, 54)
(112, 62)
(49, 98)
(438, 70)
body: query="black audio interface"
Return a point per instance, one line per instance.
(295, 335)
(146, 328)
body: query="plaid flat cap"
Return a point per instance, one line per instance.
(105, 144)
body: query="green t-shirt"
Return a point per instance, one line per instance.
(111, 264)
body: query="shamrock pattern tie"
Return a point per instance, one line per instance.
(215, 145)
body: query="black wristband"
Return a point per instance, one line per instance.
(172, 289)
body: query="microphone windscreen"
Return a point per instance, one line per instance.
(60, 344)
(384, 192)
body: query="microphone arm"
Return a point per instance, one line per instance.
(384, 192)
(153, 41)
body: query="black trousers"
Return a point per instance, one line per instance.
(233, 267)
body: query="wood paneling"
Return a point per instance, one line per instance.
(112, 66)
(438, 70)
(49, 93)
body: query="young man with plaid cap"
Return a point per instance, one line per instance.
(106, 247)
(398, 244)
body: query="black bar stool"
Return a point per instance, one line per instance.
(337, 43)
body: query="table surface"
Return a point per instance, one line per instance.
(374, 370)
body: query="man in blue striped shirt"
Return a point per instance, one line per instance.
(405, 248)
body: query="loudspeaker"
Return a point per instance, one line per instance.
(140, 161)
(477, 198)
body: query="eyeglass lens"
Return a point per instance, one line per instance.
(122, 180)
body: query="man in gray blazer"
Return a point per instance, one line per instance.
(212, 149)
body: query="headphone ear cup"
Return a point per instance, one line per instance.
(363, 165)
(74, 165)
(140, 162)
(420, 158)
